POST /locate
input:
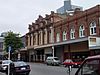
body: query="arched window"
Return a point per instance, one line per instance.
(58, 37)
(81, 31)
(92, 28)
(72, 33)
(64, 35)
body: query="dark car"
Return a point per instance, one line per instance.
(70, 62)
(90, 66)
(19, 67)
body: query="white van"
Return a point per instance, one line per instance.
(52, 61)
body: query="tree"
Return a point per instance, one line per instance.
(13, 40)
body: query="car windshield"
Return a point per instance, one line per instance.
(90, 67)
(6, 62)
(56, 58)
(21, 63)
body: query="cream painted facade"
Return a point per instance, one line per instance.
(40, 37)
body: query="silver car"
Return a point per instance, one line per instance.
(52, 61)
(5, 64)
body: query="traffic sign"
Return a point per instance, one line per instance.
(9, 48)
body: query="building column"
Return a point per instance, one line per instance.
(44, 57)
(28, 40)
(52, 34)
(29, 57)
(37, 38)
(46, 36)
(31, 39)
(41, 37)
(36, 57)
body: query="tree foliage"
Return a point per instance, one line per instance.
(13, 40)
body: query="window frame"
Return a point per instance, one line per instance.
(57, 37)
(93, 28)
(64, 35)
(81, 31)
(72, 33)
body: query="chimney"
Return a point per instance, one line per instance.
(77, 10)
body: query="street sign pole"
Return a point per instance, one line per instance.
(9, 59)
(53, 50)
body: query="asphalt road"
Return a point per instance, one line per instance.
(43, 69)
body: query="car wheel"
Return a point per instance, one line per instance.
(11, 73)
(27, 73)
(47, 64)
(54, 64)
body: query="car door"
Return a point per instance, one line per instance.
(90, 67)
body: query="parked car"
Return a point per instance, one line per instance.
(69, 62)
(5, 64)
(90, 66)
(52, 61)
(17, 68)
(20, 67)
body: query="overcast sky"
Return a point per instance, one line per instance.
(15, 15)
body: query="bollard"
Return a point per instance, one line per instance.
(69, 69)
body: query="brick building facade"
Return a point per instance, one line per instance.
(39, 39)
(74, 35)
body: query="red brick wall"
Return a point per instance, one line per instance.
(82, 18)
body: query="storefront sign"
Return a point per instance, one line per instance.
(48, 50)
(94, 41)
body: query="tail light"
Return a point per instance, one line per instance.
(17, 68)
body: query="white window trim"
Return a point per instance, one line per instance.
(81, 31)
(92, 26)
(64, 35)
(58, 37)
(72, 32)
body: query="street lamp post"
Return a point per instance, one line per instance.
(53, 50)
